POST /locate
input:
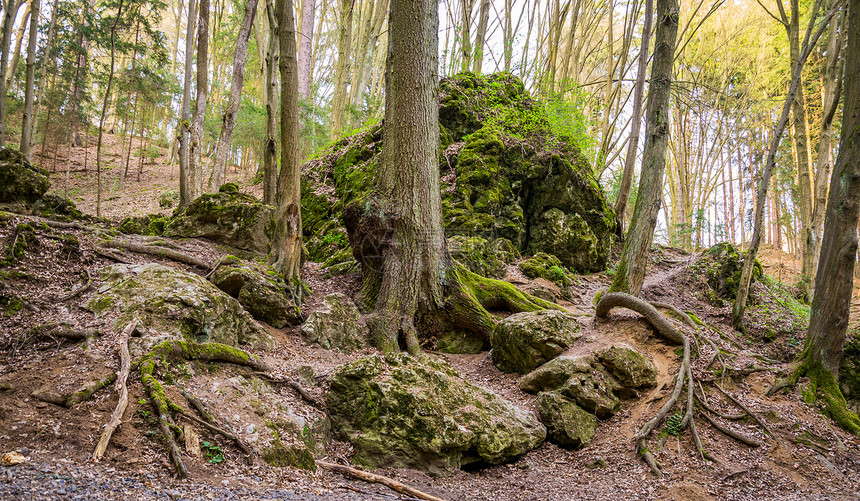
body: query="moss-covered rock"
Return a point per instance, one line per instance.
(56, 207)
(488, 259)
(151, 224)
(524, 341)
(261, 296)
(228, 217)
(546, 266)
(407, 412)
(336, 325)
(553, 374)
(849, 366)
(460, 341)
(722, 265)
(630, 367)
(175, 304)
(20, 181)
(505, 173)
(567, 424)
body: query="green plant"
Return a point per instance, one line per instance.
(673, 424)
(214, 454)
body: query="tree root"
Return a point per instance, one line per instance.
(116, 417)
(378, 479)
(154, 250)
(208, 421)
(292, 383)
(730, 433)
(80, 290)
(182, 350)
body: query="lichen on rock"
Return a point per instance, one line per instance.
(524, 341)
(261, 295)
(20, 181)
(336, 325)
(408, 412)
(567, 424)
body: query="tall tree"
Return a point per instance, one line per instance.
(195, 150)
(228, 119)
(834, 280)
(105, 107)
(286, 254)
(270, 149)
(809, 42)
(306, 36)
(184, 134)
(342, 69)
(30, 85)
(631, 268)
(10, 13)
(636, 119)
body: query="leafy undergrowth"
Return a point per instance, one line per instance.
(45, 288)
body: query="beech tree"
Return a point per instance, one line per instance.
(631, 268)
(834, 281)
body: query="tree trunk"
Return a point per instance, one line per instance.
(286, 256)
(19, 39)
(481, 36)
(11, 12)
(635, 121)
(104, 110)
(761, 194)
(185, 113)
(342, 69)
(831, 302)
(30, 86)
(631, 269)
(466, 44)
(229, 117)
(270, 150)
(195, 151)
(306, 35)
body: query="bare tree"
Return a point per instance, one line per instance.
(306, 35)
(185, 113)
(30, 85)
(195, 150)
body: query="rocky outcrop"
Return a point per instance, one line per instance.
(722, 265)
(526, 340)
(407, 412)
(486, 258)
(260, 295)
(172, 303)
(228, 217)
(567, 424)
(336, 325)
(20, 181)
(509, 170)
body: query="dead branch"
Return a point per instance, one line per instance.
(116, 417)
(209, 422)
(77, 292)
(154, 250)
(378, 479)
(745, 409)
(292, 383)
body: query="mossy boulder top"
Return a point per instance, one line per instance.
(505, 174)
(524, 341)
(20, 181)
(228, 217)
(259, 293)
(173, 303)
(722, 265)
(407, 412)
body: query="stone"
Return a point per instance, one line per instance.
(849, 366)
(170, 303)
(20, 181)
(555, 373)
(336, 325)
(151, 224)
(594, 391)
(630, 367)
(547, 267)
(260, 295)
(524, 341)
(508, 171)
(722, 265)
(228, 217)
(567, 424)
(488, 259)
(407, 412)
(460, 342)
(56, 207)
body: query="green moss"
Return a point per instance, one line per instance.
(229, 188)
(84, 394)
(548, 267)
(279, 454)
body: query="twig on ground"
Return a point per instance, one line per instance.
(378, 479)
(116, 417)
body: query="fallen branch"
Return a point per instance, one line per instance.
(116, 417)
(744, 408)
(292, 383)
(154, 250)
(77, 292)
(378, 479)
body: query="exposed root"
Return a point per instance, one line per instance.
(113, 256)
(292, 383)
(116, 417)
(182, 350)
(378, 479)
(89, 389)
(729, 432)
(154, 250)
(744, 408)
(208, 421)
(80, 290)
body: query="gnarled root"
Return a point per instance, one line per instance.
(182, 350)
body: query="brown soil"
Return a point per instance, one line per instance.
(808, 458)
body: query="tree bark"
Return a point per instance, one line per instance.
(306, 35)
(635, 121)
(270, 150)
(195, 150)
(631, 269)
(19, 39)
(30, 86)
(185, 113)
(466, 44)
(10, 13)
(481, 36)
(761, 194)
(229, 117)
(104, 110)
(286, 254)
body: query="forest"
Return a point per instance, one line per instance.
(414, 249)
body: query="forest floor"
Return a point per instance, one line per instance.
(807, 458)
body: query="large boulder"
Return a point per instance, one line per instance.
(175, 303)
(567, 424)
(508, 170)
(228, 217)
(20, 181)
(630, 368)
(722, 265)
(260, 295)
(524, 341)
(407, 412)
(336, 325)
(849, 366)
